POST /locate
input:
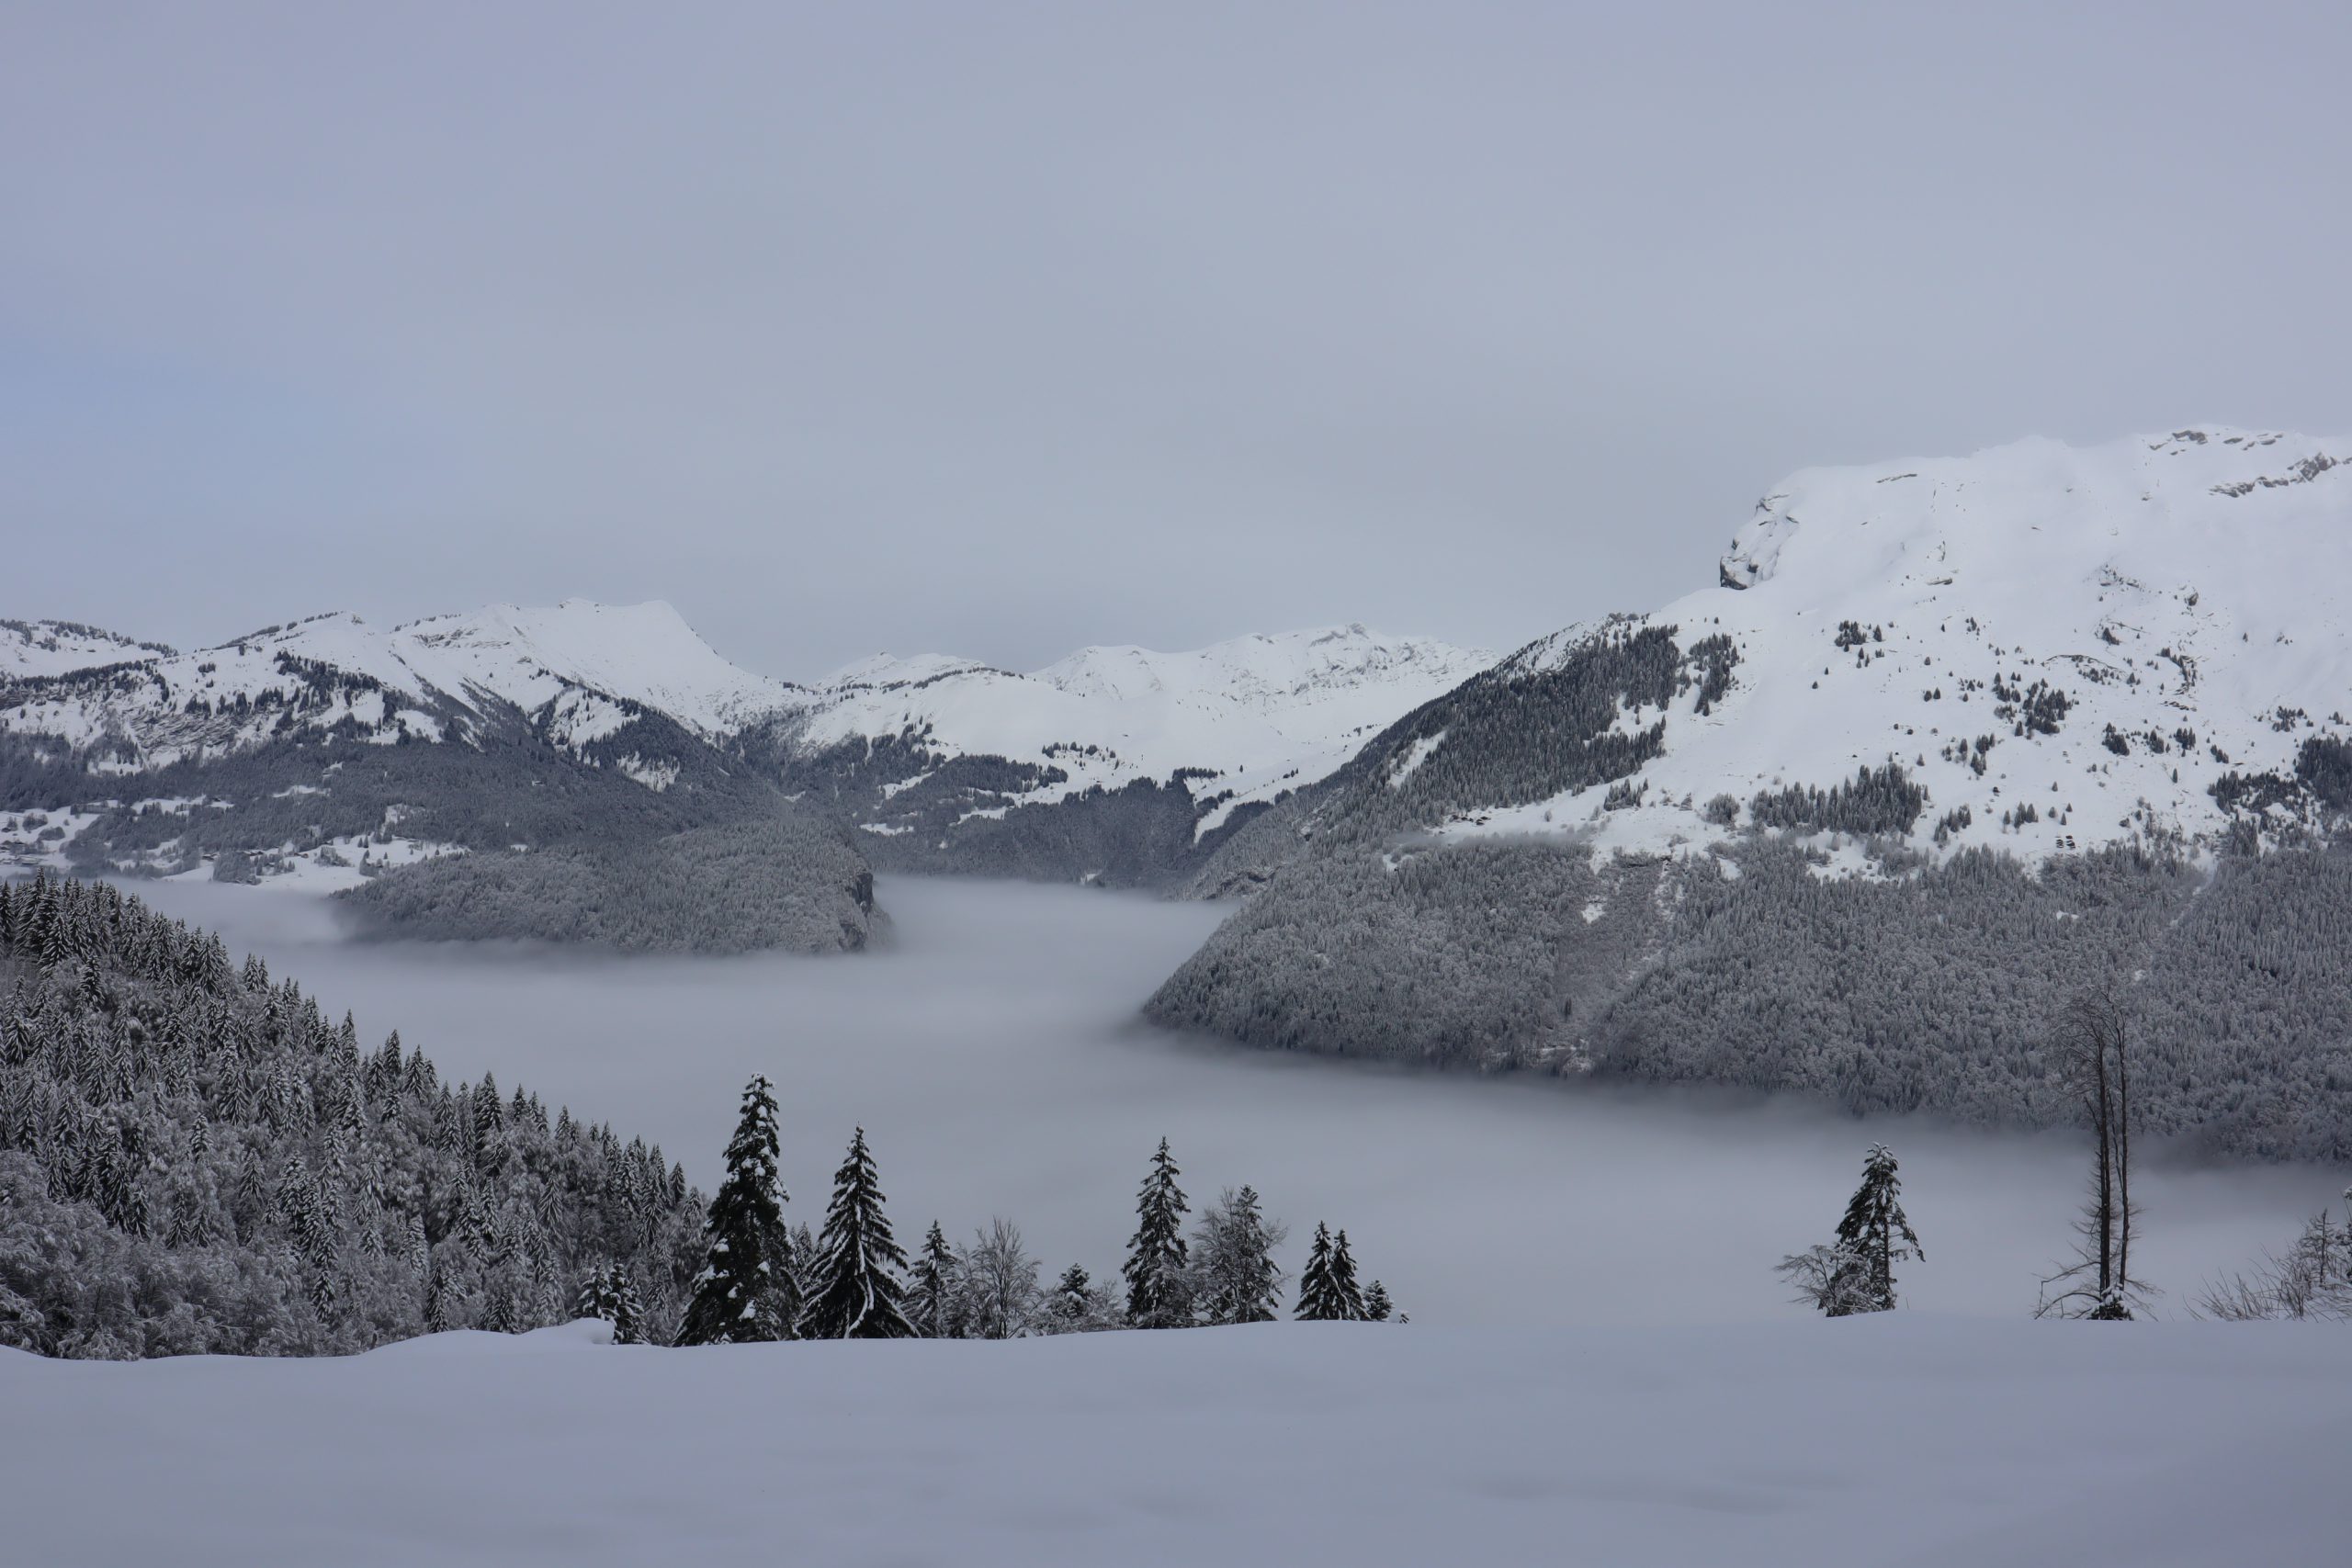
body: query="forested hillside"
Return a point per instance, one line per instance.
(194, 1158)
(791, 880)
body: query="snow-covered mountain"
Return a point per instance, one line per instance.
(1946, 740)
(1152, 753)
(58, 647)
(582, 671)
(2038, 649)
(1239, 722)
(2063, 647)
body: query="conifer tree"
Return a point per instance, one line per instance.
(1343, 1272)
(1073, 1295)
(1157, 1288)
(859, 1295)
(1327, 1287)
(1376, 1306)
(1867, 1233)
(806, 1262)
(1237, 1278)
(930, 1302)
(610, 1294)
(747, 1291)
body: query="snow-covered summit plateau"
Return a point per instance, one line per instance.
(2061, 646)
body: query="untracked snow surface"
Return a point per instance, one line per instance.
(1901, 1439)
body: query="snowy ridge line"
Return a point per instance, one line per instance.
(2061, 648)
(1262, 711)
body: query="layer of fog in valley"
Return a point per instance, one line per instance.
(994, 1058)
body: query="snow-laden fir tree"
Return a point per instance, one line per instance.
(610, 1294)
(747, 1291)
(931, 1288)
(806, 1261)
(859, 1295)
(1158, 1292)
(1378, 1307)
(1073, 1296)
(1234, 1278)
(1868, 1235)
(1327, 1287)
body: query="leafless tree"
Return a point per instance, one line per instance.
(2311, 1279)
(1000, 1297)
(2097, 1038)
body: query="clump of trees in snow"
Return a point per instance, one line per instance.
(854, 1281)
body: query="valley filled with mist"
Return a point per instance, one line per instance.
(994, 1054)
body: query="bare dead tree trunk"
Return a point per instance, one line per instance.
(2099, 1283)
(2121, 1025)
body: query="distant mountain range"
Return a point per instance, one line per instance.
(1117, 764)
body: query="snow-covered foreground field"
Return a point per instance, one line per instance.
(1908, 1439)
(994, 1059)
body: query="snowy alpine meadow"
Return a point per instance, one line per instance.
(1894, 1440)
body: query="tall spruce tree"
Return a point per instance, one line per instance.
(1343, 1271)
(1159, 1286)
(930, 1301)
(746, 1292)
(859, 1295)
(1327, 1287)
(1867, 1235)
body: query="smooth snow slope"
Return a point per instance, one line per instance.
(2190, 593)
(1885, 1442)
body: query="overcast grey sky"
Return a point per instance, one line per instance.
(999, 329)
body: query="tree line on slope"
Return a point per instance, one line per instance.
(764, 1281)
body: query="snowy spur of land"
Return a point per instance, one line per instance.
(2190, 593)
(1901, 1439)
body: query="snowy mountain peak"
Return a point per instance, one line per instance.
(1244, 720)
(2062, 646)
(587, 666)
(2152, 498)
(1266, 669)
